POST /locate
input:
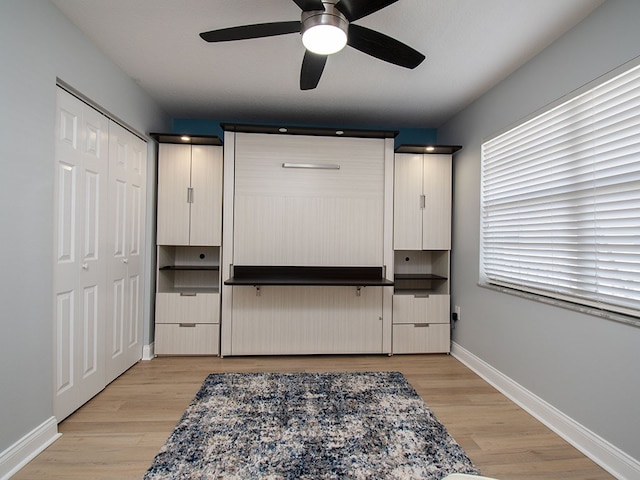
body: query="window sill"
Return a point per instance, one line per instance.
(615, 317)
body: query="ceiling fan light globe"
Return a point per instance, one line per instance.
(324, 39)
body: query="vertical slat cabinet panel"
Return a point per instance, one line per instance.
(306, 320)
(436, 220)
(174, 180)
(329, 214)
(407, 210)
(206, 198)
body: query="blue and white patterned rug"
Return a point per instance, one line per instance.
(370, 425)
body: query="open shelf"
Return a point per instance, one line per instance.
(421, 272)
(188, 270)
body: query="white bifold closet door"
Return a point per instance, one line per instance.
(99, 185)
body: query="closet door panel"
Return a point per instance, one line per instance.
(436, 234)
(127, 182)
(174, 179)
(206, 206)
(80, 261)
(407, 207)
(330, 214)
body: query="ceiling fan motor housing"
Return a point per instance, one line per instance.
(330, 19)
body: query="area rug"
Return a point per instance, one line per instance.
(368, 425)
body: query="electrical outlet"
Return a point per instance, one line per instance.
(456, 310)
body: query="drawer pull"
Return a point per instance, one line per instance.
(187, 325)
(421, 295)
(187, 294)
(420, 325)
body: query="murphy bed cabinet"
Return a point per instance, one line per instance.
(308, 244)
(189, 233)
(422, 247)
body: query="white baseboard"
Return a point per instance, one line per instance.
(148, 351)
(24, 450)
(608, 456)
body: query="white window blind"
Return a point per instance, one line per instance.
(561, 200)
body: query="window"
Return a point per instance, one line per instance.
(561, 200)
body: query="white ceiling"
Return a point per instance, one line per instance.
(470, 46)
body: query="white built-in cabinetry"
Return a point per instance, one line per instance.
(307, 228)
(422, 243)
(189, 230)
(189, 194)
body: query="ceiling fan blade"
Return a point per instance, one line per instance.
(383, 47)
(312, 67)
(258, 30)
(309, 5)
(356, 9)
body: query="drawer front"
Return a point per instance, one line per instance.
(176, 308)
(187, 339)
(412, 309)
(421, 338)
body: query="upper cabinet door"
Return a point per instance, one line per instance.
(174, 182)
(436, 223)
(206, 195)
(422, 202)
(407, 202)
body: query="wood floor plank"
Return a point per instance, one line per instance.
(117, 434)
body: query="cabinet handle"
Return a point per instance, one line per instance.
(189, 195)
(85, 266)
(421, 295)
(187, 325)
(423, 201)
(187, 294)
(420, 325)
(317, 166)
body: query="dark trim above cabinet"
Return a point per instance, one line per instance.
(192, 139)
(314, 131)
(428, 149)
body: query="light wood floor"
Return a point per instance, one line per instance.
(116, 435)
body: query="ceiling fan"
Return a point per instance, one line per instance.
(326, 27)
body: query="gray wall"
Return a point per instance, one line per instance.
(585, 366)
(37, 45)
